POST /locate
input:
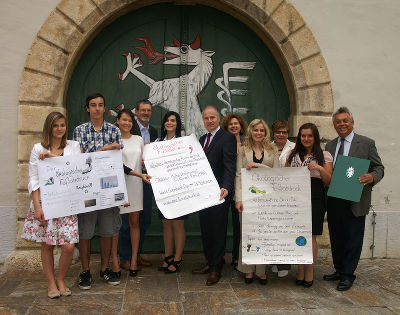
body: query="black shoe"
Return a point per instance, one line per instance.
(308, 284)
(168, 260)
(332, 277)
(133, 272)
(263, 281)
(176, 265)
(115, 278)
(248, 280)
(105, 275)
(85, 280)
(299, 282)
(234, 263)
(112, 278)
(344, 285)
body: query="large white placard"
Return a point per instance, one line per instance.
(181, 177)
(80, 183)
(276, 219)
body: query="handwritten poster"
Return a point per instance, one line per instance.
(182, 179)
(276, 219)
(80, 183)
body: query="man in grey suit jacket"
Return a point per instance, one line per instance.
(346, 219)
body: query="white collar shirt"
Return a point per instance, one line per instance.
(211, 137)
(347, 144)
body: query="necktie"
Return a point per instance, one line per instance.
(341, 148)
(207, 142)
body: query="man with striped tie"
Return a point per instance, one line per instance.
(346, 219)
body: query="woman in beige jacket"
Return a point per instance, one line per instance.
(257, 151)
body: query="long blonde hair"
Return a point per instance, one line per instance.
(248, 139)
(48, 130)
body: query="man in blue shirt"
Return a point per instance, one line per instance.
(98, 135)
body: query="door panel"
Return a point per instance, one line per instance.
(182, 58)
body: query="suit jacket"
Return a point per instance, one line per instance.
(244, 157)
(363, 148)
(153, 132)
(221, 155)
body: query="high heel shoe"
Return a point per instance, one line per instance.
(168, 260)
(133, 272)
(299, 282)
(248, 280)
(263, 281)
(308, 284)
(176, 263)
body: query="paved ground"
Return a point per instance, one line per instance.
(376, 291)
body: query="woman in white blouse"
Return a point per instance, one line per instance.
(280, 132)
(59, 231)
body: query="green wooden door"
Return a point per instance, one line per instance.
(182, 58)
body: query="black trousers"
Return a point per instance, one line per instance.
(145, 214)
(213, 224)
(235, 230)
(346, 233)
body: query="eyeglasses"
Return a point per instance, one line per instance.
(281, 132)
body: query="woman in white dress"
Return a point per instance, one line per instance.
(174, 230)
(132, 158)
(59, 231)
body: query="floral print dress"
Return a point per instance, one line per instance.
(58, 231)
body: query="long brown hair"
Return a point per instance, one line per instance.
(316, 151)
(248, 139)
(48, 130)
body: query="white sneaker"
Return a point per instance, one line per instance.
(282, 273)
(274, 268)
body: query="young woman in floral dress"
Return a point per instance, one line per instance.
(59, 231)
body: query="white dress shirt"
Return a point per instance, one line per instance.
(347, 144)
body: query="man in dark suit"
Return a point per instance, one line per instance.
(220, 149)
(149, 134)
(346, 219)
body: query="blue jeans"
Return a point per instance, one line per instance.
(124, 241)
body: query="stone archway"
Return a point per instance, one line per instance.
(74, 23)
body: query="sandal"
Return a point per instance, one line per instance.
(66, 292)
(168, 260)
(53, 294)
(176, 264)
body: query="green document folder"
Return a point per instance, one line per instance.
(345, 182)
